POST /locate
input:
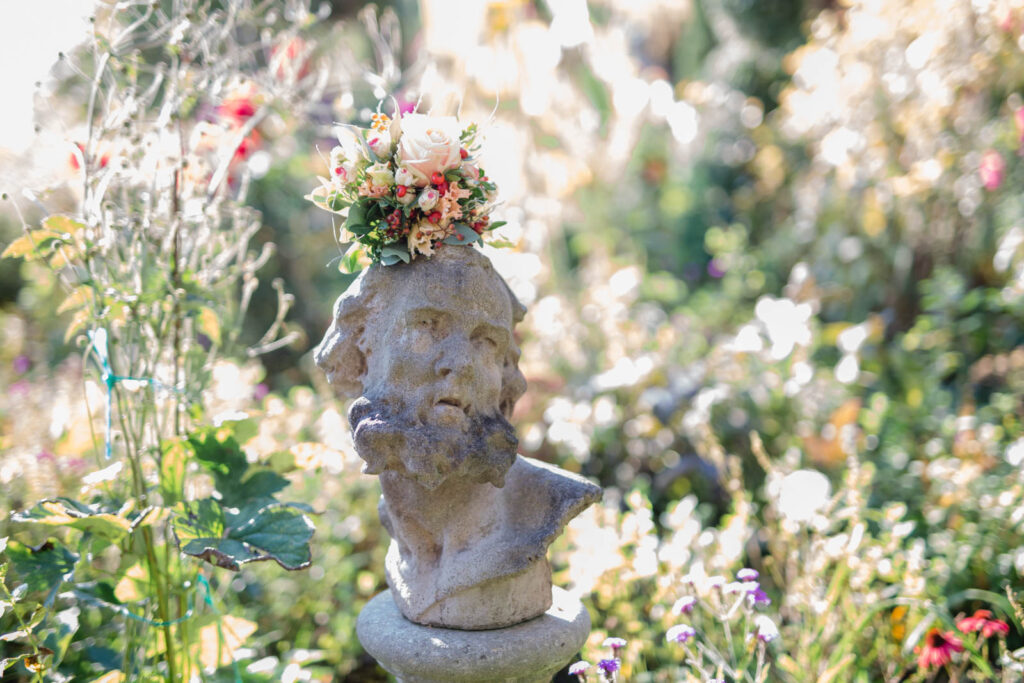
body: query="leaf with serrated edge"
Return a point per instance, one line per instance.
(78, 297)
(63, 224)
(230, 539)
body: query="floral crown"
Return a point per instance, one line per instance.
(406, 185)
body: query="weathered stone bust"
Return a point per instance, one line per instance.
(429, 350)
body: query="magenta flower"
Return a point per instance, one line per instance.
(992, 169)
(680, 633)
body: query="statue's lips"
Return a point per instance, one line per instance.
(451, 410)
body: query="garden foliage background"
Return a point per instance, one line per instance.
(773, 256)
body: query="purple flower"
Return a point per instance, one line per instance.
(684, 605)
(21, 364)
(609, 666)
(260, 391)
(759, 597)
(680, 633)
(747, 574)
(579, 669)
(615, 644)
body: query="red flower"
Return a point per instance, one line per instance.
(290, 60)
(239, 105)
(938, 649)
(982, 621)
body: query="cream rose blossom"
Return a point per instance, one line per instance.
(429, 145)
(380, 175)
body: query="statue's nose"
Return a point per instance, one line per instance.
(456, 357)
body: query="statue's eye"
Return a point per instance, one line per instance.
(487, 341)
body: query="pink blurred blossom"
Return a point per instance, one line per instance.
(992, 170)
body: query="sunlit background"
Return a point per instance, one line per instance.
(773, 258)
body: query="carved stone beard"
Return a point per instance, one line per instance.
(388, 439)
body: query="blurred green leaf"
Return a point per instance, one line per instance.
(71, 513)
(43, 568)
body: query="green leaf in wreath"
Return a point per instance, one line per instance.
(390, 255)
(463, 235)
(357, 217)
(229, 538)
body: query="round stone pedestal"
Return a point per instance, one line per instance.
(530, 652)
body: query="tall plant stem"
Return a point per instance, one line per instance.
(158, 578)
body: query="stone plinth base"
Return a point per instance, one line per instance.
(530, 652)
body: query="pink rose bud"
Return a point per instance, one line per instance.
(992, 170)
(381, 144)
(428, 198)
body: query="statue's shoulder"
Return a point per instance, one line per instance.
(546, 497)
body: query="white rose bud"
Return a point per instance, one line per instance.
(380, 143)
(403, 176)
(428, 198)
(380, 175)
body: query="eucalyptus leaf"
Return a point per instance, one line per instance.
(399, 253)
(468, 235)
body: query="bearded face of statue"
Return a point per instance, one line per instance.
(436, 368)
